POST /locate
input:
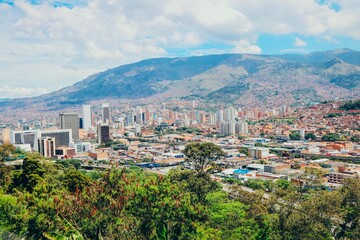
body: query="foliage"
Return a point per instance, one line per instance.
(68, 162)
(331, 137)
(244, 151)
(198, 184)
(351, 105)
(332, 115)
(5, 150)
(355, 139)
(201, 155)
(310, 135)
(46, 200)
(75, 179)
(294, 136)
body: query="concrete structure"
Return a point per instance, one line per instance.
(63, 137)
(24, 147)
(26, 137)
(99, 155)
(337, 177)
(258, 152)
(256, 167)
(47, 146)
(65, 152)
(70, 121)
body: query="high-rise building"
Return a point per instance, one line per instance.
(103, 133)
(87, 117)
(130, 116)
(230, 114)
(212, 119)
(105, 113)
(220, 116)
(223, 130)
(241, 127)
(70, 121)
(231, 127)
(137, 129)
(47, 146)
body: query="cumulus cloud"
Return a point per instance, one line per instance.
(93, 35)
(7, 91)
(299, 42)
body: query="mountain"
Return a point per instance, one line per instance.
(244, 79)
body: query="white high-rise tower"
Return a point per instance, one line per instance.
(86, 117)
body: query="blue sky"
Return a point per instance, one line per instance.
(47, 44)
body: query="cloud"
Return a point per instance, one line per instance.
(244, 46)
(95, 35)
(299, 42)
(7, 91)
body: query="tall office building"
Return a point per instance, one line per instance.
(47, 146)
(103, 133)
(105, 113)
(130, 116)
(86, 117)
(70, 121)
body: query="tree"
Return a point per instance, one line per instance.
(5, 150)
(199, 184)
(311, 216)
(32, 173)
(202, 154)
(331, 137)
(244, 151)
(350, 205)
(75, 179)
(310, 135)
(355, 138)
(294, 136)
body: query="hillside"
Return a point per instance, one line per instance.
(243, 79)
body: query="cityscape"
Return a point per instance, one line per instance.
(180, 120)
(271, 142)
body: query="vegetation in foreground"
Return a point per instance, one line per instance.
(45, 200)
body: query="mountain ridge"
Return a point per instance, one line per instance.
(243, 79)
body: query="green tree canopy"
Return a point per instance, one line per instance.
(201, 155)
(294, 136)
(310, 135)
(331, 137)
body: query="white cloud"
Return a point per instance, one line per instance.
(7, 91)
(244, 46)
(99, 34)
(299, 42)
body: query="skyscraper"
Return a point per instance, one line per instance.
(105, 113)
(103, 133)
(86, 117)
(70, 121)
